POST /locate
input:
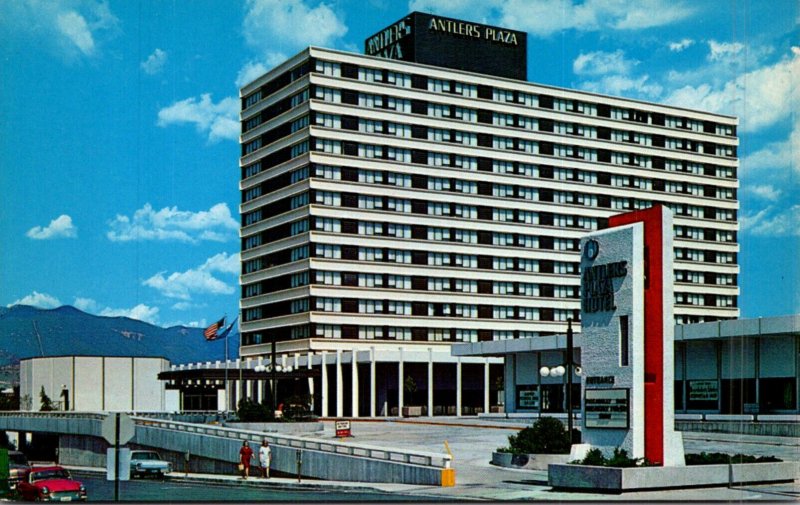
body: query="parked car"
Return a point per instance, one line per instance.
(18, 468)
(51, 483)
(149, 463)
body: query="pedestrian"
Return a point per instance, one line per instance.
(265, 457)
(245, 453)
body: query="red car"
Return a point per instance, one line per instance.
(51, 483)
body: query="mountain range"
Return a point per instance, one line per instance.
(27, 332)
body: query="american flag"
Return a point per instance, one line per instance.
(211, 332)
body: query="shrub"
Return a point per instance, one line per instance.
(719, 458)
(619, 459)
(253, 412)
(546, 436)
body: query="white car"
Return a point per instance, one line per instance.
(149, 463)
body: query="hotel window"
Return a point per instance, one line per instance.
(464, 114)
(502, 142)
(328, 198)
(400, 130)
(725, 215)
(502, 190)
(724, 129)
(528, 265)
(369, 228)
(371, 101)
(563, 291)
(370, 254)
(463, 310)
(438, 284)
(399, 205)
(467, 90)
(303, 96)
(370, 74)
(297, 201)
(467, 335)
(438, 135)
(329, 225)
(328, 120)
(470, 187)
(465, 211)
(528, 99)
(502, 335)
(528, 289)
(397, 154)
(620, 203)
(370, 202)
(397, 256)
(256, 264)
(370, 126)
(329, 278)
(529, 241)
(503, 288)
(639, 161)
(328, 331)
(503, 239)
(438, 85)
(438, 110)
(370, 306)
(370, 176)
(528, 170)
(438, 259)
(587, 223)
(370, 151)
(725, 193)
(563, 267)
(328, 172)
(370, 332)
(500, 119)
(399, 308)
(620, 158)
(255, 289)
(399, 104)
(465, 286)
(725, 258)
(561, 315)
(438, 184)
(562, 104)
(252, 193)
(327, 94)
(503, 263)
(562, 128)
(399, 281)
(398, 79)
(298, 306)
(438, 159)
(329, 68)
(643, 139)
(617, 113)
(402, 180)
(528, 123)
(529, 146)
(502, 167)
(328, 251)
(438, 209)
(694, 189)
(326, 146)
(400, 230)
(529, 313)
(727, 172)
(591, 154)
(438, 233)
(329, 304)
(526, 193)
(643, 183)
(465, 261)
(620, 180)
(695, 211)
(528, 217)
(465, 162)
(586, 108)
(466, 236)
(252, 99)
(725, 301)
(502, 95)
(502, 214)
(564, 244)
(251, 170)
(400, 333)
(252, 146)
(467, 139)
(298, 227)
(726, 236)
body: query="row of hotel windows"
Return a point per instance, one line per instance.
(466, 90)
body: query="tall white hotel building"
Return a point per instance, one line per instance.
(392, 207)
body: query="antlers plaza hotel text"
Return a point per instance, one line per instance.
(425, 194)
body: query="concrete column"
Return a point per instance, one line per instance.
(458, 387)
(354, 383)
(400, 379)
(309, 360)
(339, 388)
(509, 383)
(324, 391)
(249, 389)
(372, 391)
(486, 386)
(430, 382)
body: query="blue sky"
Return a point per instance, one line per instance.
(119, 128)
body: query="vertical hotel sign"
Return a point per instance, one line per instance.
(387, 42)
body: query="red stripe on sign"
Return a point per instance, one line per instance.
(653, 327)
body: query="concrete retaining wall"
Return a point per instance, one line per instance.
(773, 429)
(80, 450)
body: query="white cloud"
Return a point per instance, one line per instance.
(85, 304)
(723, 50)
(624, 85)
(773, 221)
(764, 191)
(60, 227)
(217, 120)
(191, 324)
(761, 97)
(681, 45)
(37, 299)
(169, 223)
(182, 285)
(155, 62)
(776, 159)
(250, 72)
(75, 28)
(602, 63)
(281, 25)
(141, 312)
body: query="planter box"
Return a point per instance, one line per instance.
(412, 411)
(528, 461)
(618, 480)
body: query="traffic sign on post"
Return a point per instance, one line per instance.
(126, 429)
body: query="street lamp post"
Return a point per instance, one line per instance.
(560, 370)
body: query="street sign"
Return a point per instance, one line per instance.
(343, 429)
(126, 428)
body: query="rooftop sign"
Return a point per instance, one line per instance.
(453, 43)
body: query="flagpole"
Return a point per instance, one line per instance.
(227, 399)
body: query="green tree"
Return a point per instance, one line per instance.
(410, 387)
(46, 402)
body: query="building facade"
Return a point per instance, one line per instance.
(397, 205)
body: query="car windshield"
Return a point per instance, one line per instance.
(146, 455)
(57, 473)
(19, 459)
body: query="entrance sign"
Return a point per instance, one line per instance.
(527, 397)
(343, 429)
(703, 391)
(627, 338)
(606, 408)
